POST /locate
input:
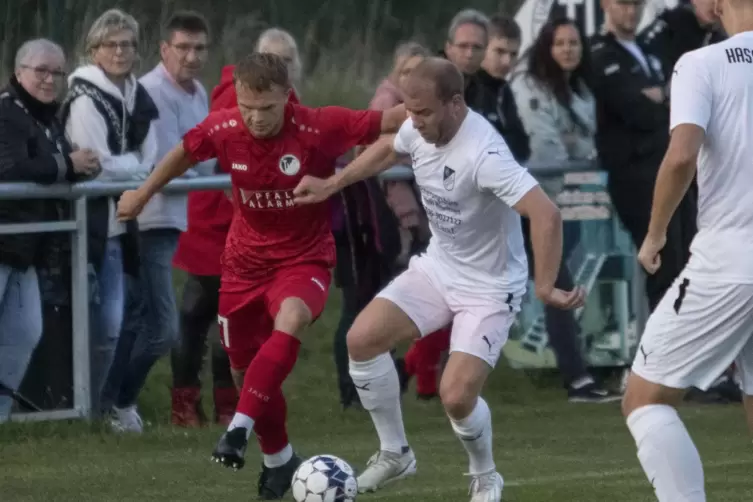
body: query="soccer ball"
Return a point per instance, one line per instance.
(324, 478)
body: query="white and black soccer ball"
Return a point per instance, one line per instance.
(324, 478)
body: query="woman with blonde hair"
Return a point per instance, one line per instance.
(108, 111)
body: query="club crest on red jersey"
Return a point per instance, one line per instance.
(290, 165)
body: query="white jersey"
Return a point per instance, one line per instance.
(468, 188)
(712, 88)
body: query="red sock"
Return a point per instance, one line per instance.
(266, 373)
(430, 350)
(270, 429)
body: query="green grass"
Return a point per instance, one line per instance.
(547, 449)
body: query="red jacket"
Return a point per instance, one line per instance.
(209, 212)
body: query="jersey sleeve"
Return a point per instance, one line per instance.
(199, 142)
(691, 93)
(343, 128)
(404, 138)
(498, 172)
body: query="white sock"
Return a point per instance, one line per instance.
(280, 458)
(379, 389)
(475, 432)
(667, 454)
(241, 420)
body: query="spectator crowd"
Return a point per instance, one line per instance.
(565, 99)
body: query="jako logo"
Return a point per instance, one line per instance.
(239, 167)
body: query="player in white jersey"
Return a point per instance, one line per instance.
(472, 275)
(705, 321)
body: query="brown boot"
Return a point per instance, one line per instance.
(186, 410)
(225, 401)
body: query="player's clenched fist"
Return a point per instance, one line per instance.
(131, 204)
(565, 300)
(648, 256)
(311, 190)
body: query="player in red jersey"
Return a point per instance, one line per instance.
(278, 256)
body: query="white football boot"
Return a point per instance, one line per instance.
(486, 487)
(384, 467)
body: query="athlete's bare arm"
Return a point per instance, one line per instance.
(672, 182)
(376, 158)
(546, 240)
(393, 118)
(173, 165)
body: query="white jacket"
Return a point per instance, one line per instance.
(87, 128)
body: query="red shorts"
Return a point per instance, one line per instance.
(246, 317)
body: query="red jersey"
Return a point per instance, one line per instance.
(268, 231)
(209, 212)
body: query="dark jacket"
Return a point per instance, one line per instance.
(33, 148)
(632, 130)
(366, 237)
(677, 31)
(493, 98)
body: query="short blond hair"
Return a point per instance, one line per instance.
(112, 21)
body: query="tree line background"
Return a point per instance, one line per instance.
(346, 45)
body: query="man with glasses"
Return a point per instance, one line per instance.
(151, 320)
(466, 42)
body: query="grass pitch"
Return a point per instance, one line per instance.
(546, 448)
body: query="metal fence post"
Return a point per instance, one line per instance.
(80, 314)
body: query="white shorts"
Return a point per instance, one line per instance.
(480, 325)
(696, 332)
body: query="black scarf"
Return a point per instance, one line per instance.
(45, 113)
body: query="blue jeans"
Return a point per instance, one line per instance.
(151, 325)
(20, 328)
(106, 319)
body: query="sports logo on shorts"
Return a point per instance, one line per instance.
(290, 165)
(448, 178)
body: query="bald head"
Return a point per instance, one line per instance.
(736, 16)
(440, 74)
(433, 97)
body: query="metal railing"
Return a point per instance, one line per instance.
(78, 195)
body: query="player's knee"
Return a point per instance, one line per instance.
(458, 397)
(365, 341)
(634, 397)
(360, 343)
(640, 392)
(294, 315)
